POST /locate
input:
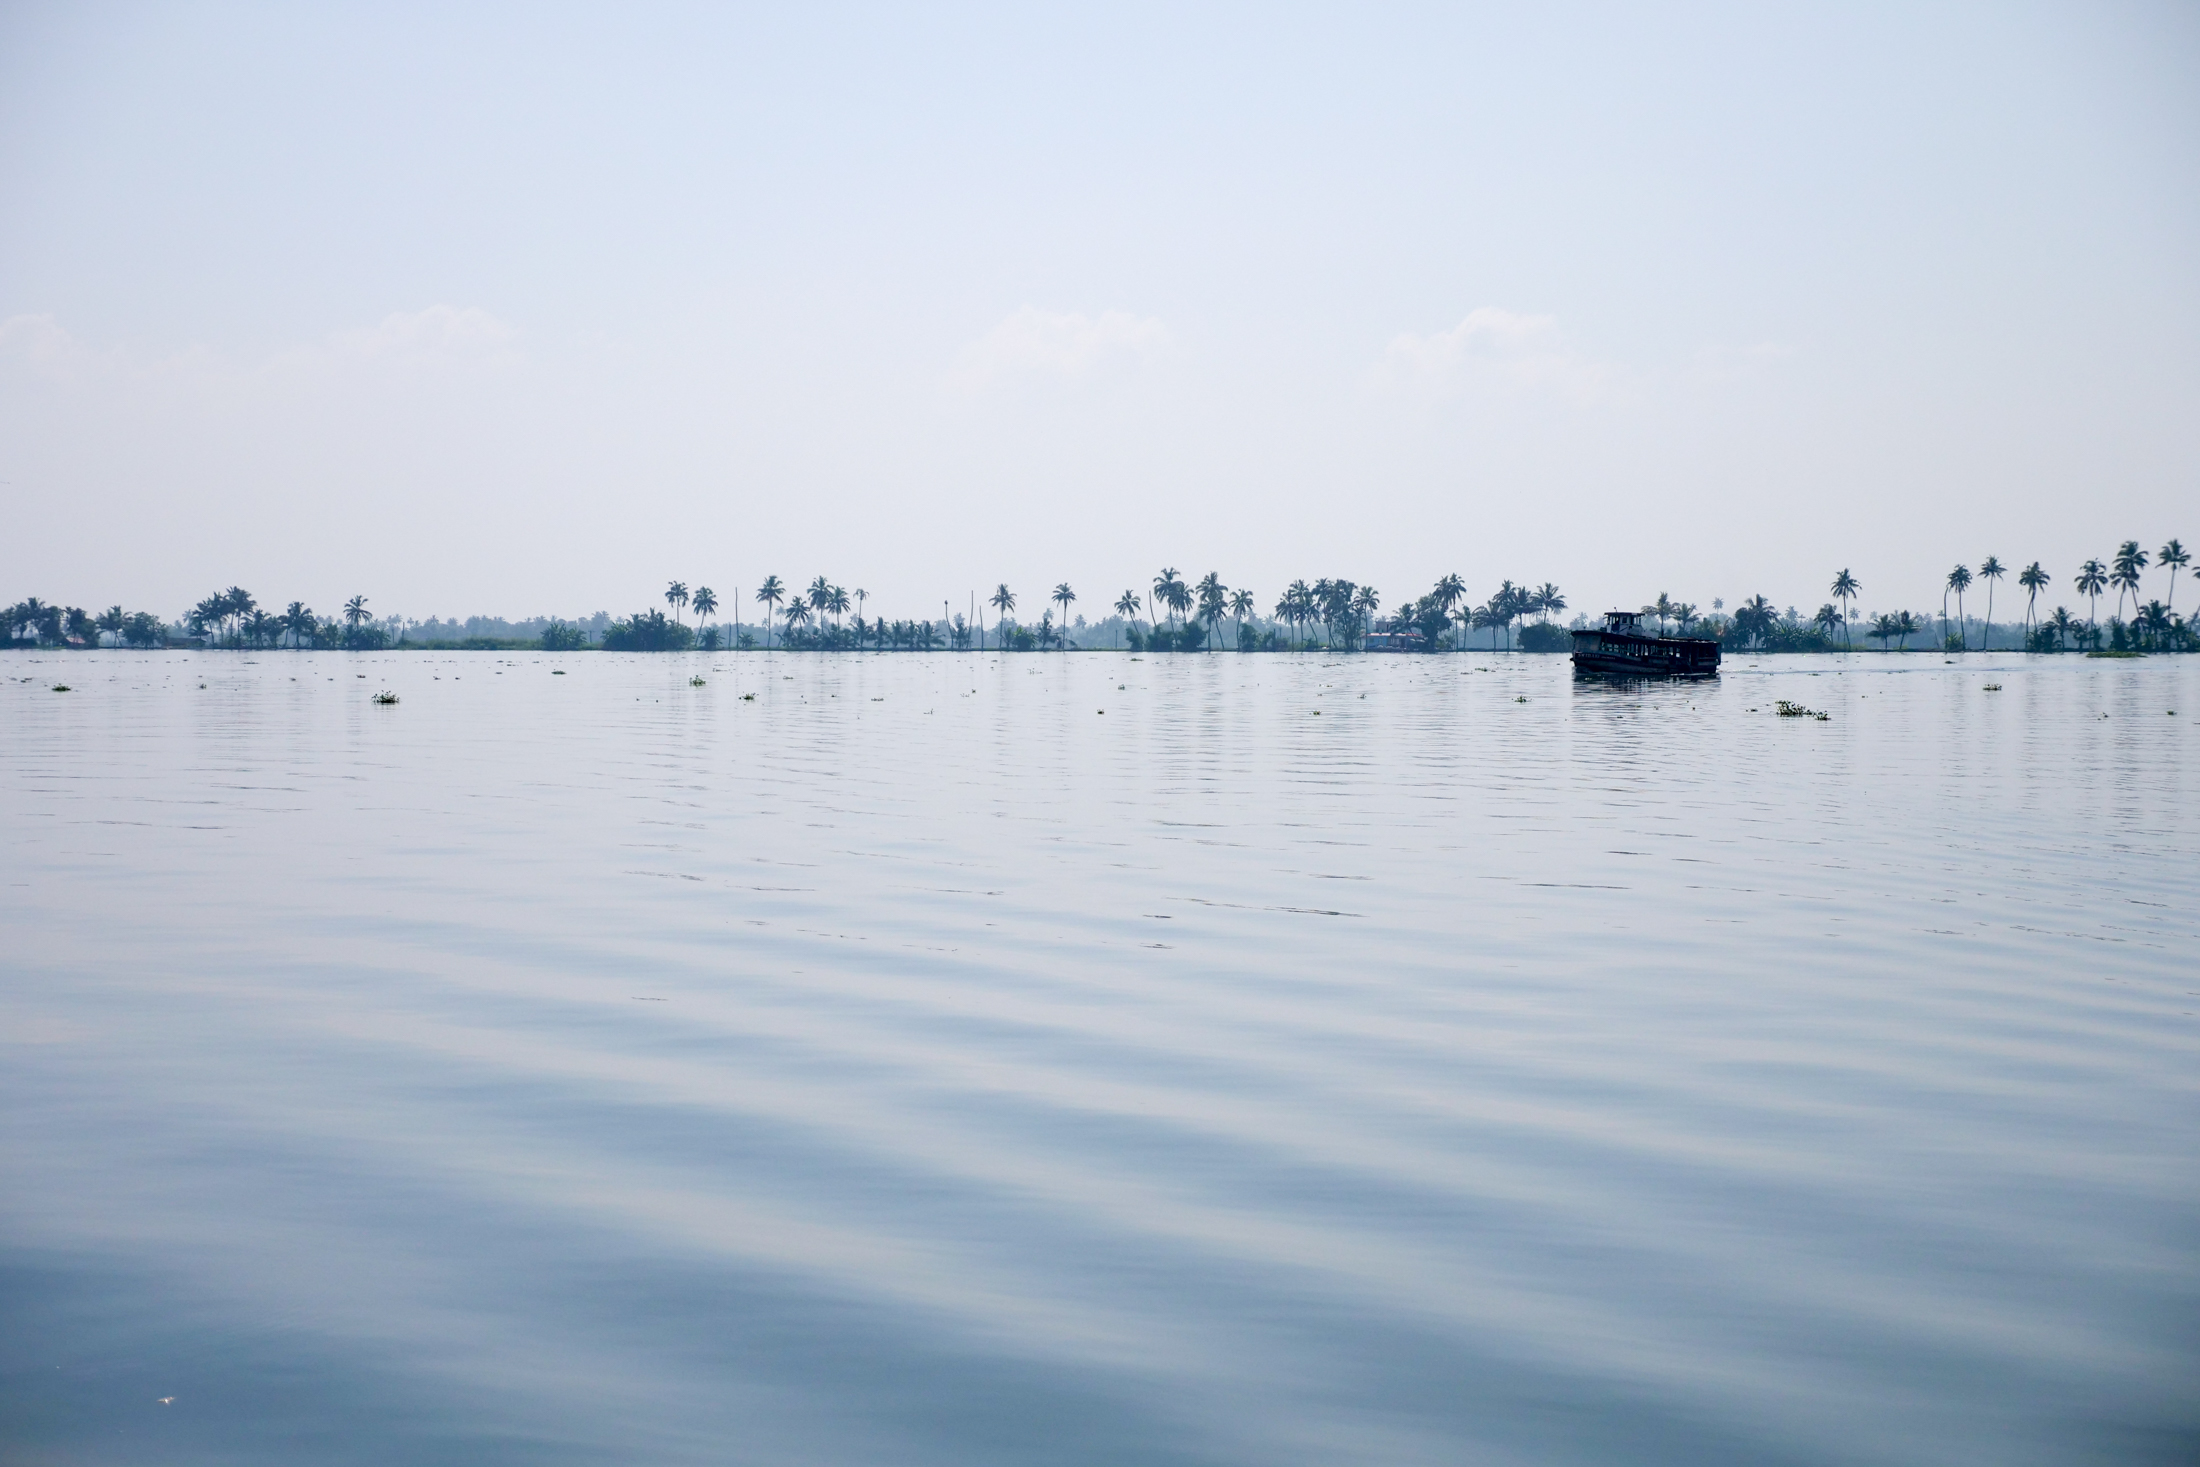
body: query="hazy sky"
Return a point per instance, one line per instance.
(519, 309)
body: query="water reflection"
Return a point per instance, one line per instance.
(1206, 1059)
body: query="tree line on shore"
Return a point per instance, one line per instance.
(1180, 615)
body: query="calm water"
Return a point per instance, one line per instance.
(941, 1060)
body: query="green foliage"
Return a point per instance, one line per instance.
(1541, 636)
(562, 636)
(648, 631)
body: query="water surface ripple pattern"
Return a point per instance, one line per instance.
(1080, 1059)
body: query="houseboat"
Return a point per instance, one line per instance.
(1620, 648)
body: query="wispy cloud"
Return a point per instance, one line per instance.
(1492, 346)
(1033, 343)
(442, 331)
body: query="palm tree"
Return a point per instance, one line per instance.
(861, 597)
(2130, 560)
(1828, 617)
(1449, 592)
(2091, 581)
(238, 603)
(1684, 615)
(1214, 600)
(1062, 597)
(2173, 558)
(1126, 606)
(1168, 590)
(1959, 581)
(2034, 580)
(2061, 625)
(1003, 601)
(298, 621)
(836, 602)
(1844, 589)
(1883, 630)
(1242, 606)
(1989, 570)
(1549, 600)
(797, 612)
(1296, 606)
(768, 596)
(2152, 620)
(112, 620)
(1754, 617)
(355, 612)
(676, 596)
(706, 602)
(1905, 627)
(1661, 609)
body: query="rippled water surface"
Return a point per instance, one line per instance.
(1203, 1059)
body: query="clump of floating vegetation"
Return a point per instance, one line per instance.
(1993, 687)
(1796, 710)
(748, 697)
(385, 697)
(62, 688)
(696, 681)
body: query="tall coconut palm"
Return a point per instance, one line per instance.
(1003, 601)
(355, 612)
(1684, 616)
(1214, 601)
(1661, 608)
(1959, 581)
(706, 603)
(861, 596)
(1366, 601)
(1126, 606)
(1242, 605)
(1905, 627)
(2173, 557)
(113, 620)
(1845, 588)
(1828, 618)
(768, 596)
(1062, 597)
(297, 621)
(239, 603)
(676, 596)
(836, 602)
(1989, 570)
(2091, 581)
(2129, 561)
(1169, 590)
(1449, 592)
(2034, 580)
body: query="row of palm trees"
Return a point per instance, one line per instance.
(235, 618)
(2155, 622)
(1344, 609)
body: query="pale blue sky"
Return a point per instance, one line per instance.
(523, 309)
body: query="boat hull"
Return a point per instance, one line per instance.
(1609, 654)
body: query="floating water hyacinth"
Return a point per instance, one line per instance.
(696, 681)
(385, 697)
(1796, 710)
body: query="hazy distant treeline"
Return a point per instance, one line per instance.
(1178, 615)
